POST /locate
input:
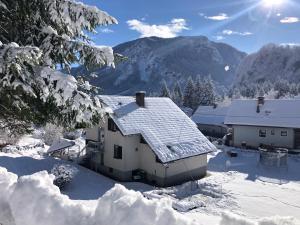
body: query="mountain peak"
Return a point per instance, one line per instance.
(153, 59)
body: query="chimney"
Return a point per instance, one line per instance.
(260, 100)
(140, 98)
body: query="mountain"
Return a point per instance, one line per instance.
(152, 60)
(271, 63)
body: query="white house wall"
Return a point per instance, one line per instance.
(250, 135)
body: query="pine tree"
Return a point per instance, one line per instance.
(177, 94)
(35, 37)
(199, 92)
(188, 96)
(282, 87)
(165, 92)
(293, 89)
(209, 90)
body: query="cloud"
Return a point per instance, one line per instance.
(231, 32)
(290, 20)
(106, 30)
(169, 30)
(219, 17)
(219, 37)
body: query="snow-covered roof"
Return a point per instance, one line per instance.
(210, 115)
(170, 133)
(60, 144)
(273, 113)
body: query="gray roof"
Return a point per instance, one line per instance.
(273, 113)
(60, 145)
(210, 115)
(170, 133)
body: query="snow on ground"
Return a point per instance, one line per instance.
(236, 191)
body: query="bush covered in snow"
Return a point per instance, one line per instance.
(6, 139)
(51, 133)
(64, 174)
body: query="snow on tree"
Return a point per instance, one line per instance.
(204, 92)
(282, 87)
(165, 92)
(294, 89)
(36, 38)
(57, 28)
(249, 91)
(209, 90)
(188, 96)
(52, 133)
(261, 92)
(199, 92)
(177, 94)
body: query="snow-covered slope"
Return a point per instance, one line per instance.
(271, 63)
(150, 60)
(253, 194)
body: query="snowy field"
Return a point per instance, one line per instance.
(236, 191)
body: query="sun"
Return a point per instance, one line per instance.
(271, 3)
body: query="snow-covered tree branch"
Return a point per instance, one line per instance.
(38, 37)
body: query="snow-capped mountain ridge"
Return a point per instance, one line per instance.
(152, 60)
(270, 63)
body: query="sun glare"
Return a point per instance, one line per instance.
(270, 3)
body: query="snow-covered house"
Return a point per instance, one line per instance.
(149, 139)
(265, 122)
(210, 120)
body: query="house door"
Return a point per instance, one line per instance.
(297, 138)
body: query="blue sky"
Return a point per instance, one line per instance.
(244, 24)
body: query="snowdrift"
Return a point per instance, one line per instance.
(33, 199)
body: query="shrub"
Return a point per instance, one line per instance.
(7, 139)
(64, 174)
(51, 133)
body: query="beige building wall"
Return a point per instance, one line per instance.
(136, 155)
(250, 135)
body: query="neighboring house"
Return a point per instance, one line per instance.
(265, 122)
(147, 139)
(210, 120)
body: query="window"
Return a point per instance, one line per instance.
(102, 159)
(111, 125)
(117, 152)
(272, 132)
(284, 133)
(262, 133)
